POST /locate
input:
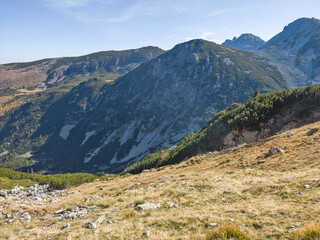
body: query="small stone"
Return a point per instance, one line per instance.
(160, 179)
(26, 231)
(317, 200)
(289, 134)
(312, 131)
(291, 228)
(307, 186)
(146, 234)
(213, 224)
(173, 204)
(26, 216)
(60, 211)
(65, 226)
(53, 200)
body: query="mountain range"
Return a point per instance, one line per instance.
(108, 110)
(108, 127)
(295, 51)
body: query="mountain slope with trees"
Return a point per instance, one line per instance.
(107, 128)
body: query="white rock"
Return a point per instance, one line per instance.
(149, 206)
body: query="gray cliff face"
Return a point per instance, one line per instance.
(154, 106)
(295, 51)
(246, 41)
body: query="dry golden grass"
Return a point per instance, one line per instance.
(9, 102)
(234, 188)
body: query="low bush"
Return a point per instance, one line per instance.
(57, 181)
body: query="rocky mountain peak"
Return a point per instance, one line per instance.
(246, 41)
(296, 52)
(295, 35)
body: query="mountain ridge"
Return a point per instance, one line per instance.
(47, 72)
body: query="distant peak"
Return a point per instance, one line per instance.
(246, 41)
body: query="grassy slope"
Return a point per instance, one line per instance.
(229, 187)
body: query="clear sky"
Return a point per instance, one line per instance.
(36, 29)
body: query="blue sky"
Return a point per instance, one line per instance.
(36, 29)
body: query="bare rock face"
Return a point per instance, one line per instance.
(295, 51)
(235, 137)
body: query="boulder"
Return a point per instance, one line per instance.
(96, 222)
(274, 150)
(65, 226)
(146, 234)
(312, 131)
(149, 206)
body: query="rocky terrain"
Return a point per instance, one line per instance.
(246, 41)
(263, 190)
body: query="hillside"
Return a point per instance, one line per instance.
(295, 51)
(260, 117)
(246, 41)
(238, 191)
(20, 81)
(47, 72)
(151, 107)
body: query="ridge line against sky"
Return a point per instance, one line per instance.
(36, 29)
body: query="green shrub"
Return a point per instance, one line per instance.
(57, 181)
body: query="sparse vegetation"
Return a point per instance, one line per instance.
(309, 233)
(227, 232)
